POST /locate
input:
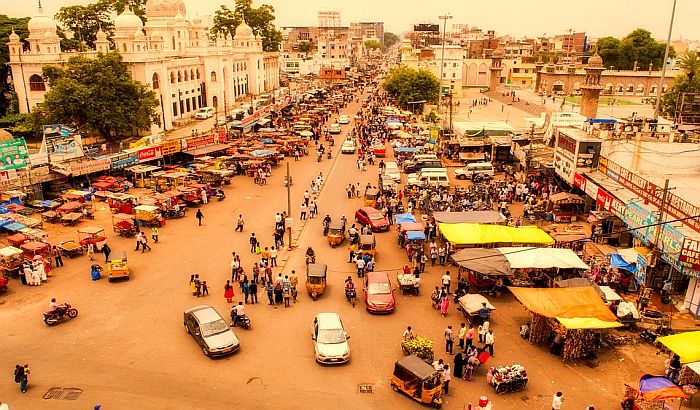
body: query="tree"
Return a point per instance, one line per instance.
(85, 21)
(681, 84)
(96, 95)
(7, 24)
(259, 19)
(609, 51)
(305, 46)
(390, 39)
(372, 45)
(690, 64)
(408, 85)
(638, 46)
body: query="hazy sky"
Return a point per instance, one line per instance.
(516, 17)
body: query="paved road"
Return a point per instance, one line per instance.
(127, 349)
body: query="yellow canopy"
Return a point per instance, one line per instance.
(686, 345)
(575, 308)
(476, 234)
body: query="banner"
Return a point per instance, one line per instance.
(58, 130)
(88, 167)
(193, 143)
(150, 153)
(690, 254)
(14, 154)
(171, 147)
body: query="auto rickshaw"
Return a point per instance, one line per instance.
(368, 245)
(117, 267)
(371, 196)
(418, 380)
(316, 279)
(336, 233)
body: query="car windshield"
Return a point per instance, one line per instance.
(380, 288)
(331, 336)
(375, 216)
(214, 328)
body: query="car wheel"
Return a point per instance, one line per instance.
(395, 387)
(461, 177)
(187, 329)
(205, 351)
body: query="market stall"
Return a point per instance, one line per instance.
(467, 234)
(564, 206)
(478, 217)
(687, 346)
(653, 393)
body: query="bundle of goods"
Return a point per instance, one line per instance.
(507, 378)
(418, 346)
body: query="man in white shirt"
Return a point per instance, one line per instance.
(236, 312)
(360, 262)
(488, 342)
(557, 400)
(446, 281)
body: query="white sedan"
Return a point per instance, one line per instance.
(343, 119)
(334, 129)
(348, 147)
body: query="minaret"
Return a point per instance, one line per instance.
(495, 68)
(592, 87)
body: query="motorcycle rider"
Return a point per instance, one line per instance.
(53, 306)
(326, 221)
(310, 254)
(237, 311)
(349, 287)
(353, 234)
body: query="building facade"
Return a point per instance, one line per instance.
(171, 55)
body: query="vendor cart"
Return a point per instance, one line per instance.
(32, 249)
(506, 379)
(17, 239)
(148, 215)
(70, 248)
(476, 308)
(419, 346)
(10, 261)
(407, 284)
(91, 234)
(123, 225)
(51, 216)
(121, 203)
(71, 219)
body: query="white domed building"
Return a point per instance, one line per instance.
(171, 54)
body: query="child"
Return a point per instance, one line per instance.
(205, 289)
(481, 332)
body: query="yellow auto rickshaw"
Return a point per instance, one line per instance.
(117, 266)
(316, 279)
(418, 380)
(368, 245)
(336, 233)
(371, 196)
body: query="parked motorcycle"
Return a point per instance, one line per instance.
(174, 213)
(351, 295)
(288, 182)
(651, 335)
(329, 154)
(61, 312)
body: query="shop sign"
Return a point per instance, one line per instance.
(580, 181)
(221, 136)
(690, 254)
(123, 160)
(251, 119)
(604, 199)
(641, 275)
(193, 143)
(617, 207)
(150, 153)
(7, 176)
(13, 154)
(171, 147)
(564, 167)
(88, 167)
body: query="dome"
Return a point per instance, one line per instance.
(165, 8)
(156, 35)
(41, 23)
(243, 31)
(179, 18)
(595, 61)
(50, 35)
(138, 34)
(128, 21)
(101, 35)
(14, 36)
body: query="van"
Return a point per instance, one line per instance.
(432, 177)
(422, 163)
(468, 172)
(392, 171)
(204, 113)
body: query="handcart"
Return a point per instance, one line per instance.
(70, 248)
(71, 219)
(407, 284)
(476, 308)
(507, 379)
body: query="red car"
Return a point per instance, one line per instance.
(372, 217)
(379, 295)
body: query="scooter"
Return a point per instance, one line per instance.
(350, 295)
(319, 156)
(329, 154)
(243, 321)
(220, 195)
(51, 318)
(651, 335)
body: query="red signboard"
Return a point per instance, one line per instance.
(604, 199)
(251, 118)
(150, 153)
(580, 181)
(690, 254)
(197, 142)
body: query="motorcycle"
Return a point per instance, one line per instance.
(51, 318)
(319, 156)
(310, 259)
(242, 320)
(329, 154)
(326, 228)
(651, 335)
(350, 295)
(220, 195)
(174, 213)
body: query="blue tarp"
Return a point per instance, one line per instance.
(401, 218)
(4, 211)
(267, 141)
(415, 235)
(14, 226)
(4, 222)
(601, 121)
(262, 152)
(407, 149)
(616, 261)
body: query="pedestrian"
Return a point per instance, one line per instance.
(91, 251)
(360, 262)
(446, 377)
(273, 256)
(444, 305)
(286, 290)
(557, 400)
(253, 242)
(25, 379)
(303, 208)
(19, 373)
(197, 286)
(469, 367)
(441, 255)
(199, 215)
(239, 223)
(469, 341)
(245, 287)
(488, 342)
(57, 256)
(449, 340)
(253, 291)
(446, 281)
(205, 288)
(154, 234)
(269, 289)
(462, 335)
(433, 255)
(423, 260)
(144, 242)
(106, 250)
(458, 368)
(228, 292)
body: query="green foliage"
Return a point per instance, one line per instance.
(670, 100)
(7, 24)
(690, 64)
(390, 39)
(96, 95)
(305, 46)
(85, 21)
(372, 44)
(406, 85)
(637, 46)
(12, 120)
(432, 117)
(259, 19)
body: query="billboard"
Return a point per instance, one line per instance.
(14, 154)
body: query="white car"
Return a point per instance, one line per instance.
(204, 113)
(392, 171)
(334, 129)
(330, 339)
(348, 147)
(344, 119)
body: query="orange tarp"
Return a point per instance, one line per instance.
(566, 303)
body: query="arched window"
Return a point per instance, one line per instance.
(172, 77)
(187, 76)
(156, 81)
(36, 83)
(124, 47)
(179, 76)
(197, 73)
(215, 101)
(213, 76)
(191, 74)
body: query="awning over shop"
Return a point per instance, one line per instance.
(503, 260)
(480, 217)
(483, 260)
(575, 308)
(207, 150)
(477, 234)
(655, 388)
(565, 197)
(686, 345)
(403, 218)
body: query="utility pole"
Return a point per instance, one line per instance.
(528, 158)
(444, 18)
(289, 208)
(662, 215)
(660, 88)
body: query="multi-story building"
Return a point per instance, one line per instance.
(368, 30)
(171, 55)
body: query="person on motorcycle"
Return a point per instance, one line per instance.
(349, 284)
(353, 233)
(236, 312)
(321, 149)
(327, 222)
(53, 306)
(310, 254)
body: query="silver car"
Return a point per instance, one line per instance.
(330, 339)
(210, 330)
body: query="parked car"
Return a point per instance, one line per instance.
(392, 170)
(330, 339)
(468, 172)
(334, 129)
(372, 217)
(210, 330)
(379, 295)
(344, 119)
(204, 113)
(348, 147)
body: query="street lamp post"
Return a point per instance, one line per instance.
(444, 18)
(660, 88)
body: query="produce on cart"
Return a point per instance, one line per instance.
(70, 248)
(472, 307)
(506, 379)
(407, 283)
(418, 346)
